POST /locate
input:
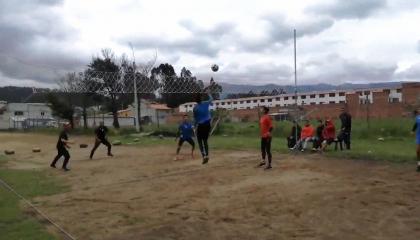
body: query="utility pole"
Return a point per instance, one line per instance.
(367, 101)
(296, 101)
(136, 101)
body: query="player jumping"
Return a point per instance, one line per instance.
(185, 134)
(202, 120)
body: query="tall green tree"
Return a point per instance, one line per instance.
(105, 71)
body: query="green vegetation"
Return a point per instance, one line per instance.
(14, 224)
(397, 145)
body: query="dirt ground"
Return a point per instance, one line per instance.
(141, 193)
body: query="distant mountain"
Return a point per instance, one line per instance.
(21, 94)
(242, 88)
(26, 94)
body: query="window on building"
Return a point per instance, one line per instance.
(387, 91)
(248, 101)
(286, 98)
(294, 97)
(248, 107)
(235, 102)
(342, 101)
(42, 113)
(399, 90)
(241, 102)
(262, 100)
(321, 95)
(255, 101)
(223, 103)
(394, 100)
(228, 103)
(331, 102)
(312, 96)
(342, 94)
(277, 99)
(303, 97)
(332, 94)
(270, 100)
(18, 113)
(312, 103)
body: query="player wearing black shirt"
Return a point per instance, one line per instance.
(101, 133)
(62, 145)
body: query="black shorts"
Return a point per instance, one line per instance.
(188, 140)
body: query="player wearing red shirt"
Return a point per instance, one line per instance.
(266, 127)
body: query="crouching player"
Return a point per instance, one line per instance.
(185, 134)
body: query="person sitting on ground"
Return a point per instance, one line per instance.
(291, 139)
(328, 134)
(318, 137)
(306, 136)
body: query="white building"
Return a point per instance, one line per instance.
(284, 100)
(25, 115)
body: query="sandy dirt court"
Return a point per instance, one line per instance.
(141, 193)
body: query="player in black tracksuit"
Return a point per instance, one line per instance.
(62, 144)
(345, 118)
(100, 133)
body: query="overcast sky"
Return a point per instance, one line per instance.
(252, 41)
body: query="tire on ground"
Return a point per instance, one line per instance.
(36, 150)
(9, 152)
(83, 145)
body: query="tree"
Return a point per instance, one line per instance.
(106, 72)
(61, 108)
(215, 89)
(176, 90)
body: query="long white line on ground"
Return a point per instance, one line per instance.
(8, 187)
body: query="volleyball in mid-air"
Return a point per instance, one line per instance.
(215, 68)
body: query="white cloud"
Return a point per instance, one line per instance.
(372, 40)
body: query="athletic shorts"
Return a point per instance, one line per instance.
(418, 139)
(188, 140)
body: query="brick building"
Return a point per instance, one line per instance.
(361, 103)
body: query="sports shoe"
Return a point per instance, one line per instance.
(261, 164)
(66, 169)
(110, 155)
(205, 159)
(268, 167)
(53, 166)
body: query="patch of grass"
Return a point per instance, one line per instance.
(14, 224)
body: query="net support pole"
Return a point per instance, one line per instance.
(296, 101)
(136, 106)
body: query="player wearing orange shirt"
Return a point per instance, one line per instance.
(266, 127)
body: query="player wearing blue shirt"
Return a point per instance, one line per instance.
(416, 131)
(202, 119)
(185, 134)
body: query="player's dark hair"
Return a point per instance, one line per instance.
(266, 109)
